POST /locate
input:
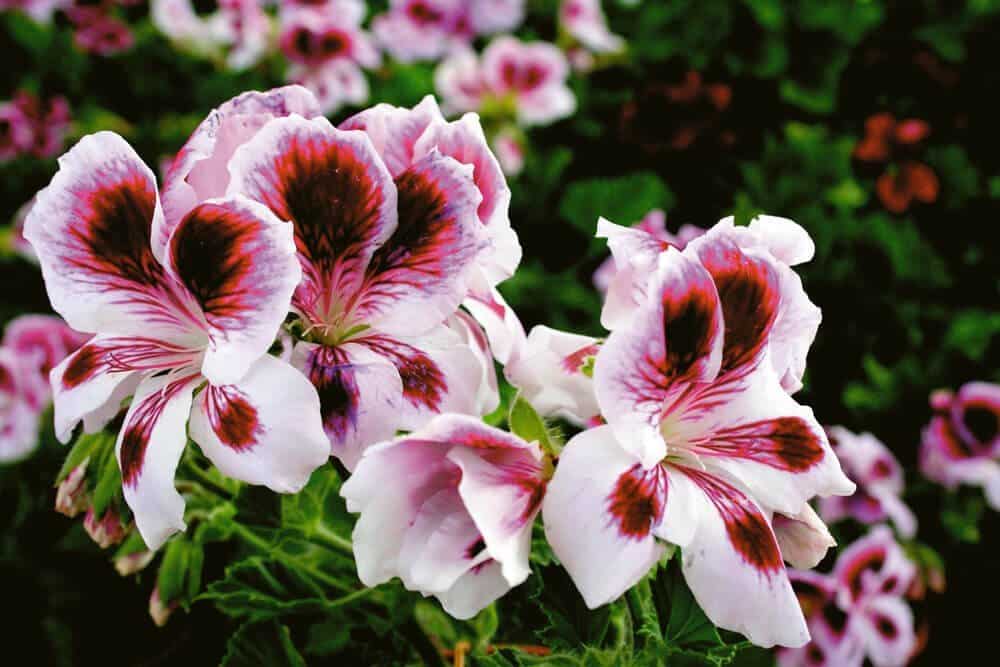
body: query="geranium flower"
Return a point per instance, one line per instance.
(897, 144)
(328, 48)
(427, 29)
(526, 79)
(238, 29)
(654, 224)
(702, 445)
(18, 415)
(585, 22)
(97, 31)
(394, 213)
(39, 10)
(636, 253)
(40, 342)
(448, 509)
(185, 300)
(508, 144)
(961, 445)
(879, 477)
(858, 612)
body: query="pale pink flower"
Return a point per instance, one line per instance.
(335, 84)
(961, 445)
(459, 81)
(239, 30)
(394, 214)
(331, 32)
(197, 287)
(16, 131)
(18, 416)
(423, 29)
(803, 537)
(701, 445)
(39, 10)
(509, 148)
(96, 31)
(40, 343)
(585, 22)
(448, 509)
(879, 477)
(106, 529)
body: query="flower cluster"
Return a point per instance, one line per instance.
(32, 126)
(369, 254)
(32, 346)
(961, 445)
(859, 611)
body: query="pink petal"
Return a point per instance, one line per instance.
(256, 434)
(199, 171)
(19, 420)
(464, 141)
(602, 536)
(394, 131)
(672, 342)
(804, 538)
(238, 261)
(473, 336)
(92, 229)
(502, 326)
(360, 395)
(734, 566)
(334, 188)
(149, 447)
(439, 372)
(417, 278)
(475, 590)
(91, 383)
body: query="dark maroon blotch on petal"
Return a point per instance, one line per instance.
(786, 443)
(233, 418)
(637, 501)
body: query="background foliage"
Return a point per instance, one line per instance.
(909, 301)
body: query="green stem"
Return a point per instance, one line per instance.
(267, 548)
(333, 540)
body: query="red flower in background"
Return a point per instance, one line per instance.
(674, 116)
(896, 144)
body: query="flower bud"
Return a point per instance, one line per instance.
(71, 493)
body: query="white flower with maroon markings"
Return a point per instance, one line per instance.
(393, 213)
(184, 310)
(448, 509)
(702, 445)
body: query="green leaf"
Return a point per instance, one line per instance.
(526, 423)
(971, 332)
(262, 644)
(961, 516)
(109, 482)
(685, 625)
(623, 200)
(88, 446)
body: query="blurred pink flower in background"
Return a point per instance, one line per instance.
(526, 79)
(859, 611)
(30, 125)
(961, 445)
(872, 466)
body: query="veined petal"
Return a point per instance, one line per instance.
(734, 566)
(419, 276)
(265, 429)
(339, 196)
(749, 293)
(599, 512)
(91, 383)
(635, 252)
(149, 448)
(238, 262)
(199, 171)
(360, 395)
(439, 372)
(394, 131)
(673, 342)
(473, 336)
(464, 141)
(92, 228)
(752, 428)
